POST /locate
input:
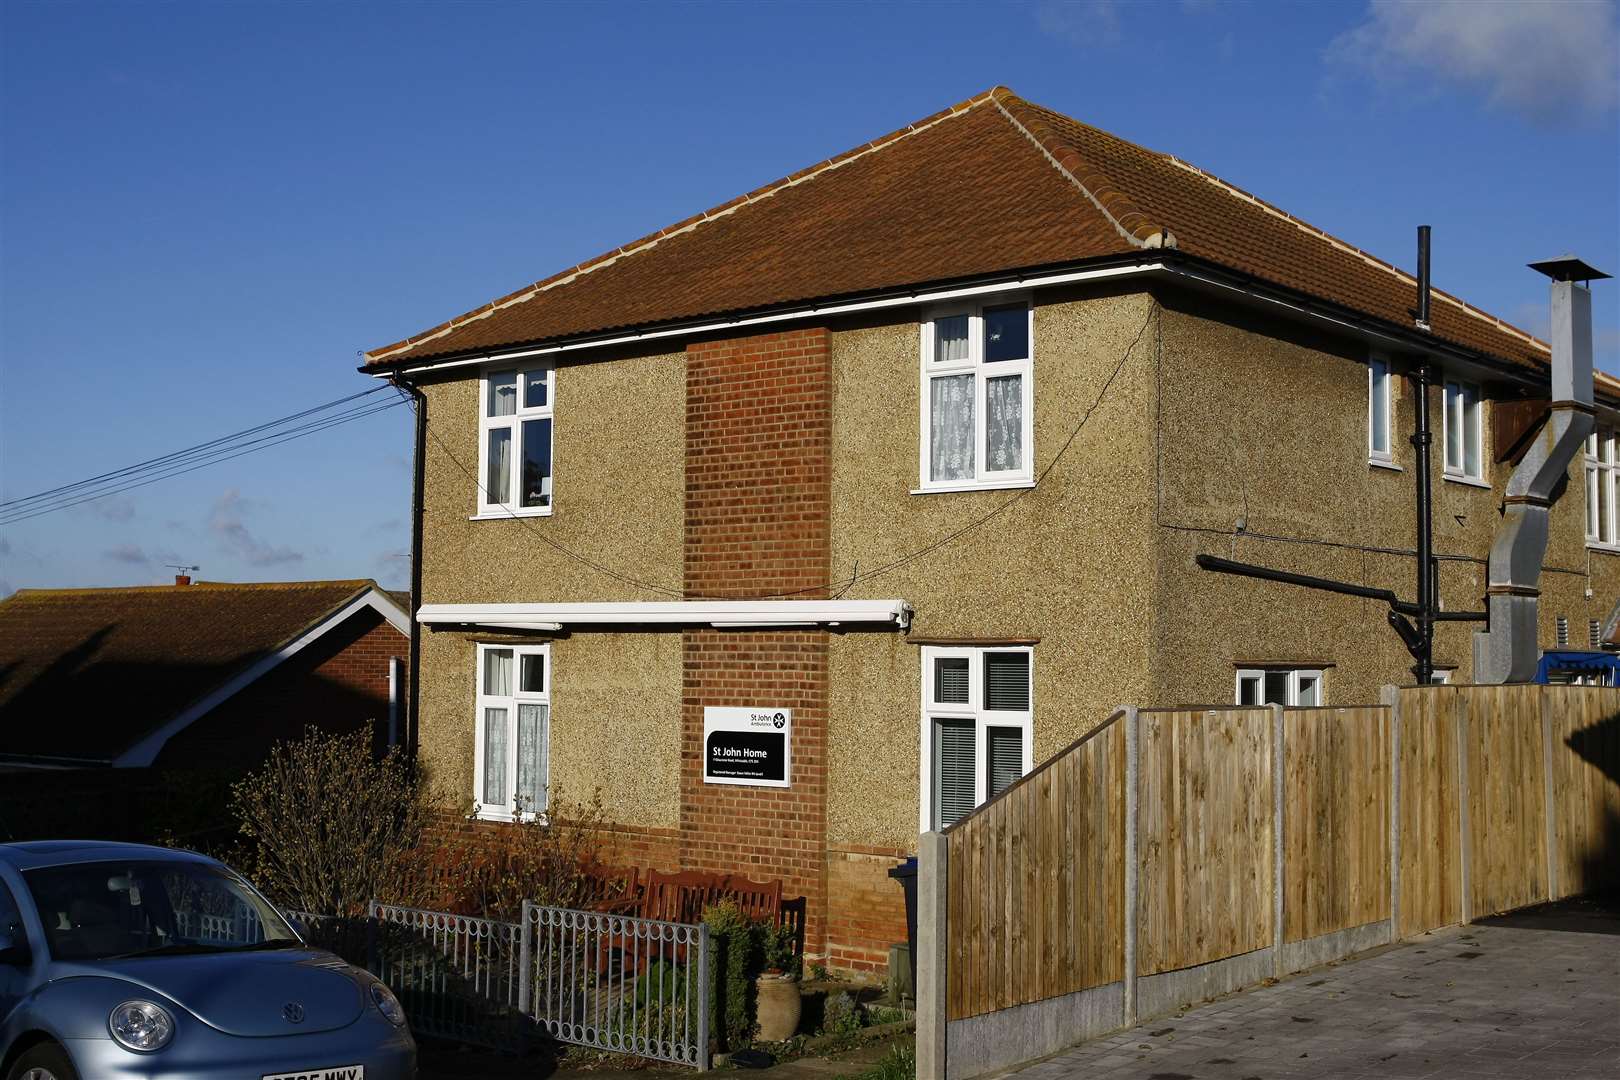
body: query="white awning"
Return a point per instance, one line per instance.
(718, 613)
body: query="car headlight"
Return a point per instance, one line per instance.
(142, 1026)
(387, 1004)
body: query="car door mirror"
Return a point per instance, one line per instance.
(13, 949)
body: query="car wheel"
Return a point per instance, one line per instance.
(47, 1061)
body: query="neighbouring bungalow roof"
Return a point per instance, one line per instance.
(85, 674)
(994, 184)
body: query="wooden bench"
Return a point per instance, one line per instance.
(683, 897)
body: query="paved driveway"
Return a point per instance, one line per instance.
(1530, 996)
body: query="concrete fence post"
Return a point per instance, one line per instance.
(933, 944)
(1279, 762)
(1391, 697)
(1549, 794)
(1133, 795)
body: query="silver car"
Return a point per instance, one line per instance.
(120, 960)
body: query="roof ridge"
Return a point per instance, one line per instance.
(1121, 211)
(563, 277)
(201, 586)
(1372, 260)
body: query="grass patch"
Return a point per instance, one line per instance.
(900, 1063)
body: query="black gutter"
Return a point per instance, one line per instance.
(418, 486)
(1509, 370)
(1288, 577)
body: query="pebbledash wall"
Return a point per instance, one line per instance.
(778, 463)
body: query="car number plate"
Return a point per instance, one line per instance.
(342, 1072)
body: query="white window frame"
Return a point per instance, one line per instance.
(1458, 390)
(497, 504)
(1378, 369)
(1600, 465)
(975, 365)
(1294, 677)
(973, 710)
(507, 811)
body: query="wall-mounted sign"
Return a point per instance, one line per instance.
(748, 746)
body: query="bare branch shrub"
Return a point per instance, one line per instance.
(330, 826)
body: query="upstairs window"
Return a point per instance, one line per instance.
(514, 454)
(514, 730)
(1380, 449)
(1464, 432)
(1602, 485)
(978, 727)
(1294, 687)
(978, 395)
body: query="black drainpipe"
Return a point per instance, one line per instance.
(1422, 439)
(418, 483)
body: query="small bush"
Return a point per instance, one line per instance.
(490, 872)
(738, 962)
(842, 1015)
(328, 824)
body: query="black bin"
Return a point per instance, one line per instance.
(906, 875)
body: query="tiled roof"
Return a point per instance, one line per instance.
(86, 673)
(990, 185)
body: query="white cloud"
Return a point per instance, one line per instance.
(1549, 60)
(1080, 22)
(227, 524)
(112, 508)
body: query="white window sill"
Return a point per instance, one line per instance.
(506, 818)
(504, 515)
(1384, 463)
(1607, 549)
(988, 485)
(1466, 481)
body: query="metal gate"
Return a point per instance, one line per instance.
(612, 982)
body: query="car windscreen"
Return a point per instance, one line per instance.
(105, 910)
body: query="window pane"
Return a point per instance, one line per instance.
(1249, 690)
(496, 792)
(1309, 690)
(1453, 426)
(1004, 423)
(1276, 688)
(502, 394)
(1004, 758)
(1607, 445)
(531, 757)
(534, 389)
(498, 672)
(1378, 408)
(498, 479)
(950, 411)
(1006, 333)
(951, 680)
(953, 771)
(536, 463)
(1606, 509)
(533, 674)
(951, 339)
(1591, 502)
(1472, 428)
(1006, 681)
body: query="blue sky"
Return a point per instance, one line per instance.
(207, 210)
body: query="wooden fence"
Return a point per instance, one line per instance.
(1173, 854)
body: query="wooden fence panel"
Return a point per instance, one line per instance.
(1430, 848)
(1585, 724)
(1507, 820)
(1035, 904)
(1335, 819)
(1205, 837)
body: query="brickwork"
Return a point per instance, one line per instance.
(758, 443)
(339, 683)
(866, 910)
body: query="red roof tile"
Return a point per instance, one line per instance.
(86, 673)
(993, 184)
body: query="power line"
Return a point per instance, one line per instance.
(186, 461)
(166, 458)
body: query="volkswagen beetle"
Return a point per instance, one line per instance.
(121, 960)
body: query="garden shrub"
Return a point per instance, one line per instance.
(328, 824)
(842, 1015)
(738, 961)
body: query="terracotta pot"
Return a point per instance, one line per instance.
(779, 1007)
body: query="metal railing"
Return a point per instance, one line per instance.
(611, 982)
(618, 983)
